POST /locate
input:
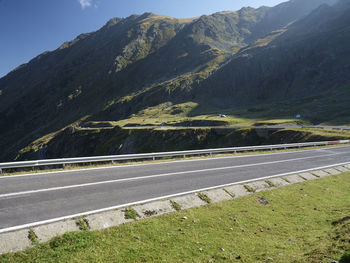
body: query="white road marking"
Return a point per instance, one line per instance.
(53, 220)
(160, 163)
(156, 176)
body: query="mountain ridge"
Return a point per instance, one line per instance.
(291, 46)
(142, 61)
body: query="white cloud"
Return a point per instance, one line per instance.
(85, 3)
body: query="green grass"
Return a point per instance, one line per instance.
(301, 223)
(204, 197)
(172, 114)
(340, 134)
(83, 224)
(312, 111)
(130, 213)
(32, 237)
(175, 205)
(249, 189)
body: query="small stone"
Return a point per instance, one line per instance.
(184, 218)
(280, 254)
(197, 242)
(270, 259)
(222, 249)
(180, 229)
(137, 237)
(242, 230)
(334, 261)
(262, 200)
(238, 256)
(261, 230)
(291, 240)
(231, 229)
(201, 249)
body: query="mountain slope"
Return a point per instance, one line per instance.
(306, 58)
(134, 63)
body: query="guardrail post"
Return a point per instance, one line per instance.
(0, 171)
(63, 165)
(154, 158)
(184, 155)
(211, 154)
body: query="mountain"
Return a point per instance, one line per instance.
(307, 58)
(227, 59)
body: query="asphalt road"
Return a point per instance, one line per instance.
(35, 198)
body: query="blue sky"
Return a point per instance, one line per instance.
(30, 27)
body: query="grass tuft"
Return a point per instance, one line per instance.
(204, 197)
(32, 236)
(249, 188)
(270, 183)
(175, 205)
(150, 213)
(229, 193)
(82, 223)
(130, 213)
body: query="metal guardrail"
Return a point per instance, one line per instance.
(153, 156)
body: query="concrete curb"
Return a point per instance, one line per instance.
(237, 190)
(154, 209)
(25, 238)
(188, 201)
(293, 179)
(320, 173)
(308, 176)
(342, 169)
(218, 195)
(279, 182)
(107, 219)
(258, 186)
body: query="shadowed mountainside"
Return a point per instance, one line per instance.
(309, 57)
(228, 60)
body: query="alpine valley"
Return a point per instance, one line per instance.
(243, 68)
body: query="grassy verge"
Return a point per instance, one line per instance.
(340, 134)
(166, 159)
(301, 223)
